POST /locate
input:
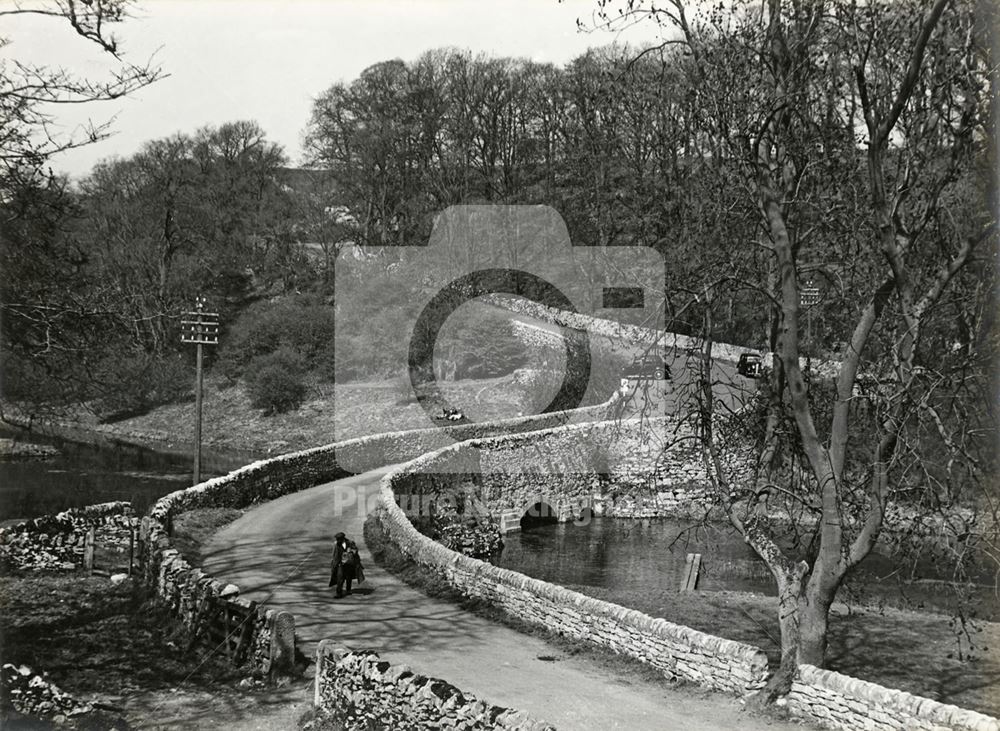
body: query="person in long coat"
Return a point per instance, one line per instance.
(342, 570)
(337, 564)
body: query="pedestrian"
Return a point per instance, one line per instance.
(346, 564)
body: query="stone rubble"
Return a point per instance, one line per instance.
(31, 694)
(362, 692)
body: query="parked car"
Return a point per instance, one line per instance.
(649, 365)
(750, 365)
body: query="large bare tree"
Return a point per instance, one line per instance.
(31, 93)
(861, 133)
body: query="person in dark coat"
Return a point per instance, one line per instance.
(346, 564)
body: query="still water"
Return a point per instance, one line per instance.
(82, 474)
(650, 555)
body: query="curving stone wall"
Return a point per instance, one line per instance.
(841, 702)
(270, 636)
(679, 652)
(360, 691)
(56, 542)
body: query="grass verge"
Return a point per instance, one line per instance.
(193, 528)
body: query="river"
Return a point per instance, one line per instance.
(623, 554)
(83, 473)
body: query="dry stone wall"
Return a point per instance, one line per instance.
(841, 702)
(56, 542)
(679, 652)
(268, 640)
(361, 691)
(609, 328)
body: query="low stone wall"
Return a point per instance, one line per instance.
(841, 702)
(269, 635)
(361, 691)
(610, 329)
(56, 542)
(679, 652)
(259, 638)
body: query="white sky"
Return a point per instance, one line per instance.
(267, 59)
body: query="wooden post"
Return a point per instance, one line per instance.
(131, 547)
(197, 419)
(88, 550)
(689, 582)
(200, 328)
(227, 630)
(246, 634)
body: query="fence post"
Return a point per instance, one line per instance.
(88, 550)
(131, 547)
(144, 548)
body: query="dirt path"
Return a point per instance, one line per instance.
(279, 553)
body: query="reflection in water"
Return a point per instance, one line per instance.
(83, 474)
(650, 554)
(614, 553)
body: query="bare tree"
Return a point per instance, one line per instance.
(30, 93)
(861, 133)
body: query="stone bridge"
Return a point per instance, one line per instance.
(623, 468)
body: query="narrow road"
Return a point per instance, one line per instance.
(280, 551)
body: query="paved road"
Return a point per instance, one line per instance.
(670, 398)
(279, 553)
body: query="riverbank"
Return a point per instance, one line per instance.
(234, 431)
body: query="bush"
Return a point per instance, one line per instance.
(276, 381)
(302, 324)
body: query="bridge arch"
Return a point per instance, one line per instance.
(538, 513)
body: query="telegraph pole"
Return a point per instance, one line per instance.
(809, 297)
(201, 328)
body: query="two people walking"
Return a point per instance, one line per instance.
(346, 564)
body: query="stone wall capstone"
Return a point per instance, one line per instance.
(841, 702)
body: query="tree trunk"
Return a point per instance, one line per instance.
(791, 593)
(814, 613)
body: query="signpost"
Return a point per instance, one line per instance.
(201, 328)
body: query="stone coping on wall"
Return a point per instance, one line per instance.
(67, 519)
(185, 588)
(608, 328)
(678, 651)
(842, 702)
(365, 691)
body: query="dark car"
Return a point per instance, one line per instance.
(647, 366)
(750, 365)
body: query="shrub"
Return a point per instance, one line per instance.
(302, 324)
(276, 381)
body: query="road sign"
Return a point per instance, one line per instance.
(809, 295)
